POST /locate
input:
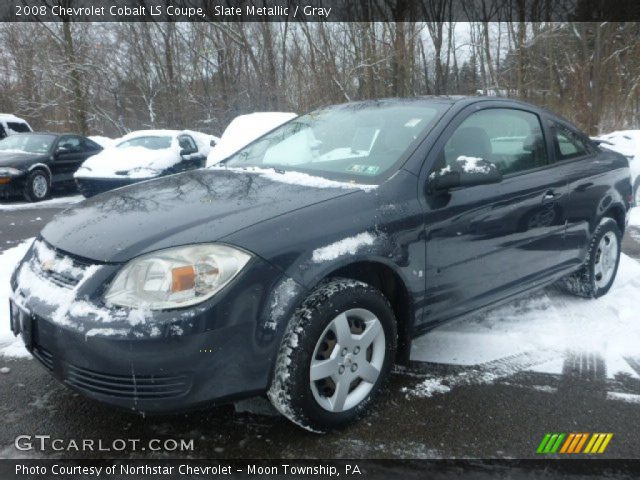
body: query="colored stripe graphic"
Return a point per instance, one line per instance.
(573, 443)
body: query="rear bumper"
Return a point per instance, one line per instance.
(90, 187)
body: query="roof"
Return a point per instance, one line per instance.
(8, 117)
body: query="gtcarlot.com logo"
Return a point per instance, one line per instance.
(43, 443)
(573, 443)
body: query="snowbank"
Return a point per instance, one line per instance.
(243, 130)
(140, 162)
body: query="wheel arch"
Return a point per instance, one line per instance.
(391, 284)
(43, 167)
(618, 213)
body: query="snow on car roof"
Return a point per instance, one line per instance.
(8, 117)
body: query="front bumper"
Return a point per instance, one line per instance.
(90, 187)
(173, 361)
(14, 186)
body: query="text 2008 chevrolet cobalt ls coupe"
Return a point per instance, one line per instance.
(302, 266)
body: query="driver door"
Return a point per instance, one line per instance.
(68, 156)
(487, 242)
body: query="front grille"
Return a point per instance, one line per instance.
(44, 356)
(127, 386)
(61, 269)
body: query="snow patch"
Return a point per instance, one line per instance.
(297, 178)
(53, 202)
(346, 246)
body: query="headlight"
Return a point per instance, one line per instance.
(176, 277)
(9, 172)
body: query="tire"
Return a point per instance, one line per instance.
(312, 340)
(37, 186)
(597, 274)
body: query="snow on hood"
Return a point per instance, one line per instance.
(243, 130)
(626, 142)
(140, 162)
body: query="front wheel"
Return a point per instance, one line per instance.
(335, 356)
(36, 187)
(596, 276)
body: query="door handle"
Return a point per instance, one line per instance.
(549, 195)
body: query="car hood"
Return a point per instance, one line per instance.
(193, 207)
(20, 160)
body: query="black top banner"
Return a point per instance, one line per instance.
(319, 10)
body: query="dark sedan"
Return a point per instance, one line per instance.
(303, 265)
(31, 164)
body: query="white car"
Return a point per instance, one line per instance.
(143, 155)
(243, 130)
(626, 142)
(10, 124)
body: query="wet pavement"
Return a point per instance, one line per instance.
(491, 398)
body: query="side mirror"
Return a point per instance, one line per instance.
(187, 151)
(464, 172)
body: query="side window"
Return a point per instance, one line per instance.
(18, 127)
(567, 143)
(70, 144)
(90, 145)
(510, 139)
(187, 143)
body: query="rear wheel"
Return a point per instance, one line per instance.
(37, 186)
(596, 276)
(335, 356)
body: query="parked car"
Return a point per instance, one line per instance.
(626, 142)
(306, 280)
(143, 155)
(10, 124)
(31, 164)
(243, 130)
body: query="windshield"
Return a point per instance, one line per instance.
(27, 143)
(355, 141)
(152, 143)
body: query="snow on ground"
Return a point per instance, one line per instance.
(538, 333)
(10, 346)
(243, 130)
(53, 202)
(634, 219)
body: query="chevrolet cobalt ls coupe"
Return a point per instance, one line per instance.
(302, 265)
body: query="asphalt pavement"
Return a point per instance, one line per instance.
(504, 416)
